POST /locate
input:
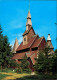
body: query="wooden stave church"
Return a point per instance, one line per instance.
(31, 45)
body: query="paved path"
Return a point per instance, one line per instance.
(13, 75)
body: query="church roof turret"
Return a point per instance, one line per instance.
(48, 38)
(49, 42)
(16, 44)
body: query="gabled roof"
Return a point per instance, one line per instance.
(32, 55)
(18, 55)
(27, 31)
(37, 42)
(34, 42)
(28, 45)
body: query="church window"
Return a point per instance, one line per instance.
(24, 39)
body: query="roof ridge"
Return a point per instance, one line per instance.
(19, 45)
(31, 58)
(41, 37)
(34, 35)
(27, 53)
(33, 41)
(32, 55)
(31, 28)
(28, 31)
(40, 41)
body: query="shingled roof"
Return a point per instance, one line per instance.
(34, 42)
(18, 55)
(37, 42)
(50, 44)
(27, 31)
(28, 44)
(32, 55)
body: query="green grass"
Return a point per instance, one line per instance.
(3, 76)
(31, 77)
(38, 77)
(7, 70)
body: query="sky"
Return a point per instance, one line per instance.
(13, 17)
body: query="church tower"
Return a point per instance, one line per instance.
(29, 32)
(28, 23)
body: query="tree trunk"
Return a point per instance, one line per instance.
(1, 68)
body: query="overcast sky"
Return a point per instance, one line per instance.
(13, 14)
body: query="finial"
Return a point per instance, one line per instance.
(48, 38)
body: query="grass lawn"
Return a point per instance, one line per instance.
(3, 76)
(38, 77)
(25, 76)
(10, 75)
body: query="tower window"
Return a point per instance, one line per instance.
(24, 39)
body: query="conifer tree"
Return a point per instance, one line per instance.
(5, 50)
(39, 65)
(0, 31)
(1, 45)
(54, 68)
(25, 64)
(44, 62)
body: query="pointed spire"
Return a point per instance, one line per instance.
(48, 38)
(16, 44)
(29, 19)
(29, 15)
(28, 23)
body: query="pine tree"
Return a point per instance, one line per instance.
(56, 61)
(44, 62)
(39, 65)
(48, 60)
(25, 64)
(1, 45)
(5, 50)
(0, 31)
(54, 68)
